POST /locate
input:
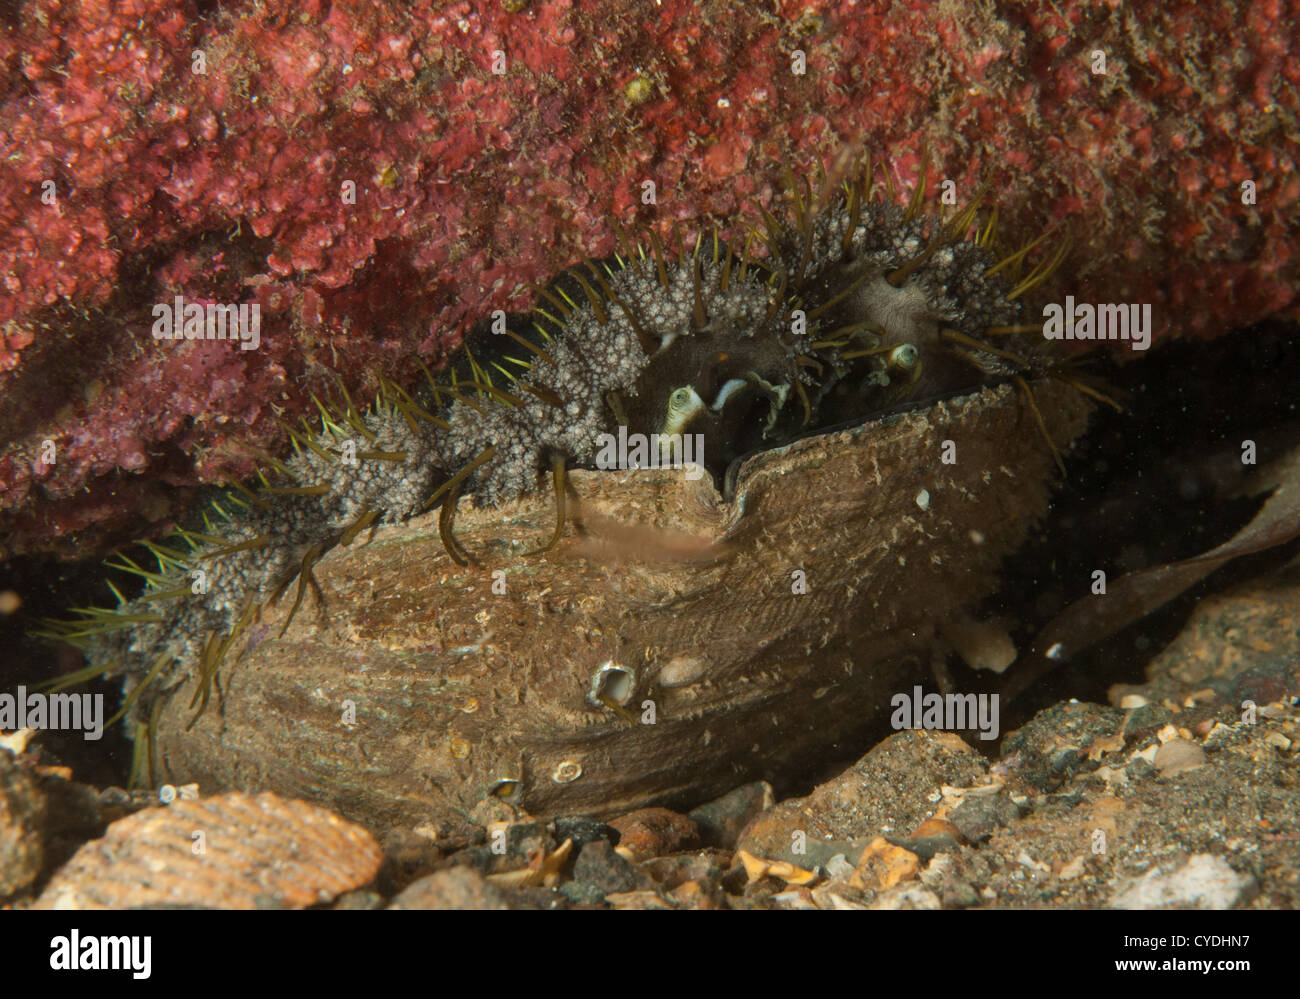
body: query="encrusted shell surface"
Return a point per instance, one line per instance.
(231, 851)
(744, 638)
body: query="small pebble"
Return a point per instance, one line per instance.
(1204, 881)
(1179, 756)
(654, 832)
(599, 866)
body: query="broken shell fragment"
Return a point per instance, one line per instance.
(543, 870)
(803, 601)
(232, 851)
(757, 868)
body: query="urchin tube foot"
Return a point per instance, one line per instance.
(558, 479)
(446, 523)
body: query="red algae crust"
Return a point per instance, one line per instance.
(377, 177)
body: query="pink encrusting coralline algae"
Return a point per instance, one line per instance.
(377, 177)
